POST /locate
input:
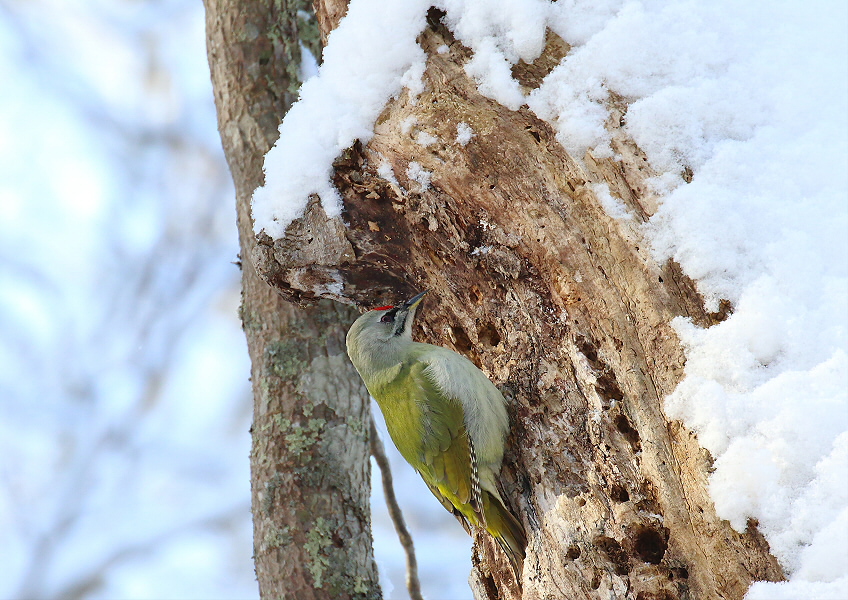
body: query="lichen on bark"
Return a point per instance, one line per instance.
(310, 501)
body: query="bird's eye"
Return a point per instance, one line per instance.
(387, 318)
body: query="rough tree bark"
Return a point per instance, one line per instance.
(310, 473)
(561, 305)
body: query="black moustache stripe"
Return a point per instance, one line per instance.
(401, 324)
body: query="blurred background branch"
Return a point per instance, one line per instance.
(121, 352)
(124, 393)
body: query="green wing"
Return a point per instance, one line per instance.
(429, 430)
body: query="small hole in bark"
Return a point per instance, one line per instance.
(607, 387)
(491, 588)
(596, 580)
(463, 344)
(615, 553)
(624, 427)
(679, 572)
(587, 348)
(619, 494)
(491, 187)
(649, 544)
(489, 336)
(660, 279)
(535, 134)
(573, 552)
(581, 502)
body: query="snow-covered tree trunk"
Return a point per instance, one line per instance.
(539, 273)
(309, 461)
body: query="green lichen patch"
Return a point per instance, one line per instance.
(285, 358)
(318, 542)
(302, 438)
(276, 537)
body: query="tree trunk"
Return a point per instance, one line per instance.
(310, 470)
(562, 306)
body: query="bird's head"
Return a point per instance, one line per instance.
(382, 329)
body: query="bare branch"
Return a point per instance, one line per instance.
(379, 454)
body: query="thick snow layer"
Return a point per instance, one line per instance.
(751, 99)
(368, 59)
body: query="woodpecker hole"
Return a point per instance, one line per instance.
(649, 544)
(460, 339)
(607, 388)
(490, 587)
(626, 429)
(619, 494)
(489, 336)
(588, 350)
(573, 552)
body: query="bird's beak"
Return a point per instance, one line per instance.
(406, 312)
(413, 302)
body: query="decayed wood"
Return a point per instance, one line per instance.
(310, 473)
(562, 306)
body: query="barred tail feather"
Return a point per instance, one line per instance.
(507, 531)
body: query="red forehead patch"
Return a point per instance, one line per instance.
(383, 307)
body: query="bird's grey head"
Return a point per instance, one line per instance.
(382, 330)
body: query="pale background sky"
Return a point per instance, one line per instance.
(124, 399)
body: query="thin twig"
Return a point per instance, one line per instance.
(379, 454)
